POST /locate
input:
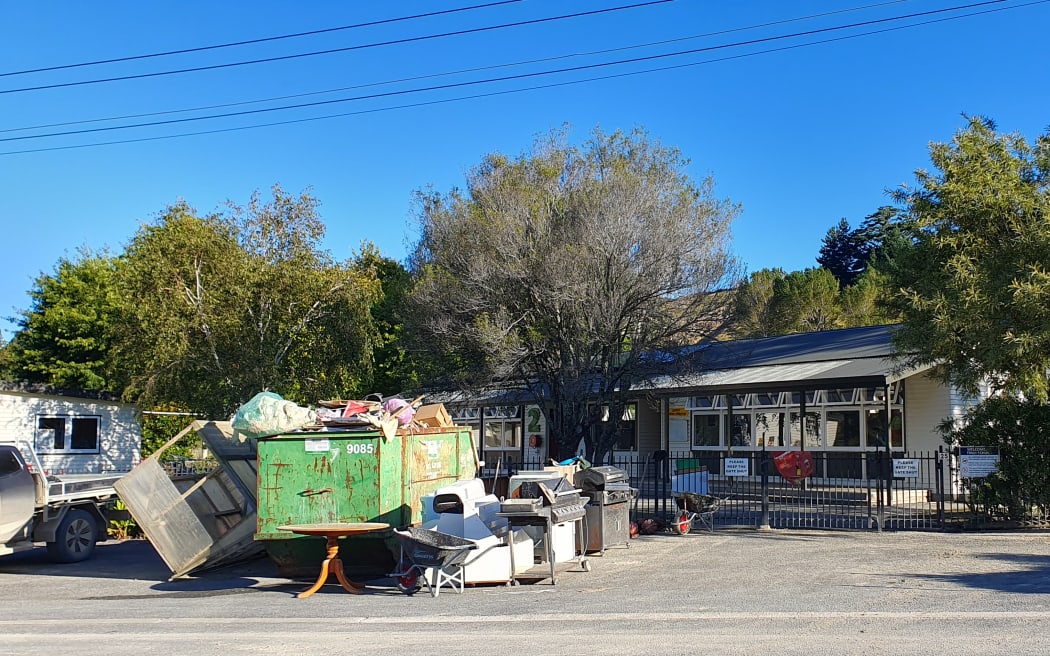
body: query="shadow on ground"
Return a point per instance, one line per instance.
(1031, 577)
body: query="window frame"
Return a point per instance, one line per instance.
(47, 441)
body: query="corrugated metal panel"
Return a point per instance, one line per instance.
(779, 374)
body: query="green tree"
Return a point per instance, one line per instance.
(394, 368)
(563, 268)
(753, 302)
(841, 253)
(220, 307)
(865, 302)
(63, 339)
(847, 253)
(805, 301)
(975, 284)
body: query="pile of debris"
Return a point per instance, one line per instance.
(268, 414)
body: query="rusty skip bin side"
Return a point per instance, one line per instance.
(332, 477)
(341, 477)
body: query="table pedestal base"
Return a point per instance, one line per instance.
(332, 565)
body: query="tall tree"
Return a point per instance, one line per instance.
(805, 301)
(221, 307)
(975, 286)
(63, 339)
(865, 302)
(847, 253)
(394, 367)
(564, 267)
(753, 304)
(841, 253)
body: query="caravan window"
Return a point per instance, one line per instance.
(79, 434)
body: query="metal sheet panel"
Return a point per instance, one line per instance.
(167, 520)
(811, 374)
(194, 523)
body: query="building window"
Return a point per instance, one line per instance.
(627, 430)
(740, 431)
(840, 396)
(709, 402)
(707, 430)
(503, 430)
(843, 428)
(813, 438)
(875, 428)
(769, 428)
(68, 434)
(501, 435)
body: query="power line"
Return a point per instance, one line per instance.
(456, 72)
(259, 40)
(506, 78)
(315, 53)
(524, 89)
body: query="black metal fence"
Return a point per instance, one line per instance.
(872, 490)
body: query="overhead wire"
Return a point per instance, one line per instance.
(508, 78)
(476, 69)
(329, 51)
(531, 88)
(231, 44)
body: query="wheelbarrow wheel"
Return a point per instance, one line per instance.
(408, 582)
(682, 523)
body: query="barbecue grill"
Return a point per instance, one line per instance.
(609, 492)
(548, 504)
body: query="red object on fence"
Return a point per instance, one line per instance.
(794, 465)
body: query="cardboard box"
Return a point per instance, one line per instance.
(433, 416)
(567, 471)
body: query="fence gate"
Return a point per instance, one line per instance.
(867, 490)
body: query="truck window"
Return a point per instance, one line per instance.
(9, 463)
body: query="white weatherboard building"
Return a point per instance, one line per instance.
(748, 395)
(72, 432)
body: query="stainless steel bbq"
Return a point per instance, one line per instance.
(608, 518)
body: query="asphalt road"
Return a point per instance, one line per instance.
(756, 592)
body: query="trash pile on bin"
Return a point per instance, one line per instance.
(267, 414)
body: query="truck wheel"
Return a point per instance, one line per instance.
(75, 538)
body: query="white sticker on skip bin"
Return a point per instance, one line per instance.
(317, 446)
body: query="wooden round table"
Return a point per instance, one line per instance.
(332, 564)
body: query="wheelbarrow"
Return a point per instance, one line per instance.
(423, 549)
(692, 506)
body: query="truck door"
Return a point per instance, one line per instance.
(17, 493)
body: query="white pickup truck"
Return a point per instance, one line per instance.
(65, 513)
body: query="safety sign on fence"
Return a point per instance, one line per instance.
(905, 468)
(737, 467)
(977, 461)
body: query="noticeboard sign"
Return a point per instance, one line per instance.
(977, 461)
(905, 468)
(737, 467)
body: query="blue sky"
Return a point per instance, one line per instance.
(800, 136)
